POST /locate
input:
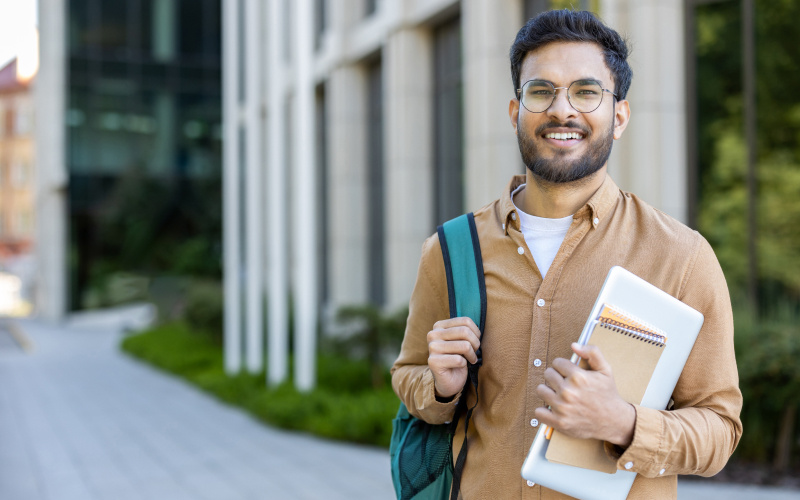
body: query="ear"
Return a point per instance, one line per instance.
(622, 113)
(513, 113)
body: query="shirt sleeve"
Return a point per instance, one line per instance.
(700, 432)
(412, 380)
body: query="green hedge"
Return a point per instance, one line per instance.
(344, 406)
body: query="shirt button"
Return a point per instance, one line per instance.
(662, 471)
(535, 423)
(531, 483)
(629, 465)
(537, 362)
(596, 221)
(514, 215)
(540, 302)
(520, 250)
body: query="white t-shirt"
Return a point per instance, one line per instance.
(543, 236)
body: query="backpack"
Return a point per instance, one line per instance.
(422, 454)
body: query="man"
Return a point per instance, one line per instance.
(547, 245)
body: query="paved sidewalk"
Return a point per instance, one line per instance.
(81, 421)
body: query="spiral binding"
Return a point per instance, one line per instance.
(615, 320)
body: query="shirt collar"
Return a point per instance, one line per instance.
(595, 209)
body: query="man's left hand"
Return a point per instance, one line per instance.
(585, 403)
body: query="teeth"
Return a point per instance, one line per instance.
(564, 136)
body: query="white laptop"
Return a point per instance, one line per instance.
(681, 323)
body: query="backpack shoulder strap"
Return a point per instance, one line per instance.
(466, 291)
(463, 264)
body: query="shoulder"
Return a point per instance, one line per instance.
(653, 224)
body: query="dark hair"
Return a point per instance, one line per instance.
(573, 26)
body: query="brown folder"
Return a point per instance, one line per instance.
(632, 351)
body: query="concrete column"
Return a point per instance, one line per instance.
(231, 186)
(491, 152)
(651, 157)
(347, 215)
(254, 243)
(52, 177)
(407, 59)
(305, 282)
(278, 303)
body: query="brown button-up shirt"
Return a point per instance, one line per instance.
(531, 321)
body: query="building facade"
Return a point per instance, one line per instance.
(351, 129)
(17, 164)
(360, 125)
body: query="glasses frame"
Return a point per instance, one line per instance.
(555, 94)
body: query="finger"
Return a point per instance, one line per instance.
(459, 321)
(564, 366)
(458, 332)
(545, 415)
(553, 379)
(547, 394)
(593, 356)
(446, 361)
(458, 347)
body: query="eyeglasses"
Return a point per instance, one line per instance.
(583, 95)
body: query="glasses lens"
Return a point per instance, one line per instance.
(537, 95)
(585, 96)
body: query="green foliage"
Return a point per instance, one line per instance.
(767, 351)
(722, 150)
(371, 335)
(343, 407)
(205, 308)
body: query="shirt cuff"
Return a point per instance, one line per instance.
(642, 456)
(432, 411)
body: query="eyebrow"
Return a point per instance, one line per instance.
(579, 80)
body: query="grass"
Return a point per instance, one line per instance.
(344, 406)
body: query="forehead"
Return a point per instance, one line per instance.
(564, 62)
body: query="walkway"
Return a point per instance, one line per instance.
(81, 421)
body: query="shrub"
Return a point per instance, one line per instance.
(343, 406)
(767, 351)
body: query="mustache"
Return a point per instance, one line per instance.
(542, 129)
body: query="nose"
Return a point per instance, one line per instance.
(561, 109)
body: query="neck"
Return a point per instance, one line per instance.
(554, 201)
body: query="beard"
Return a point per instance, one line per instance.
(559, 169)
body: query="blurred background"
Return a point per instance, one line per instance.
(264, 173)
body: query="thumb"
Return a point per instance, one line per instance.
(593, 356)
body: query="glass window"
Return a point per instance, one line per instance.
(375, 194)
(448, 123)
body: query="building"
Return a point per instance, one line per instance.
(361, 125)
(17, 177)
(17, 161)
(365, 123)
(134, 174)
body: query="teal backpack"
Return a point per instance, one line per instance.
(421, 453)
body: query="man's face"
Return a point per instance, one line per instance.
(589, 135)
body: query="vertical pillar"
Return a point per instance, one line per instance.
(348, 187)
(254, 197)
(305, 286)
(651, 158)
(408, 181)
(52, 177)
(491, 152)
(278, 328)
(231, 185)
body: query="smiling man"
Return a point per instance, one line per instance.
(548, 242)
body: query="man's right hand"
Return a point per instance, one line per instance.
(451, 344)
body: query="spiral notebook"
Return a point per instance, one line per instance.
(647, 336)
(633, 349)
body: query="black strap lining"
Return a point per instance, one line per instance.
(448, 271)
